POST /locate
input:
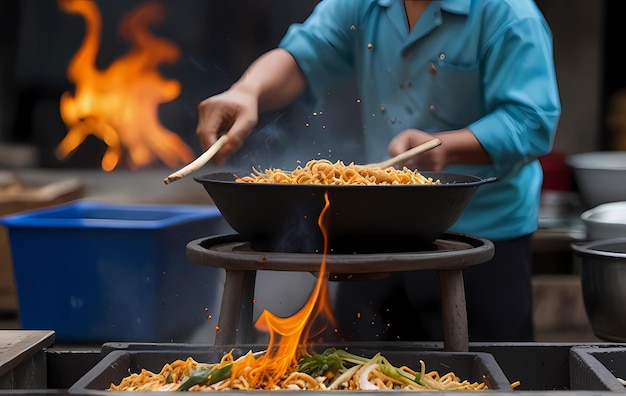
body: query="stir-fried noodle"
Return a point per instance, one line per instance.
(325, 172)
(246, 373)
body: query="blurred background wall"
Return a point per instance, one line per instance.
(219, 39)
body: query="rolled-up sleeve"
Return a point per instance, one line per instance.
(521, 94)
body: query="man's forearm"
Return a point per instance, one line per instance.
(274, 78)
(463, 147)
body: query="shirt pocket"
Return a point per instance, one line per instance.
(454, 96)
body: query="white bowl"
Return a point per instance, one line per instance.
(605, 221)
(600, 176)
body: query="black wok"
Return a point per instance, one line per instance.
(362, 218)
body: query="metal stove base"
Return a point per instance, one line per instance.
(542, 368)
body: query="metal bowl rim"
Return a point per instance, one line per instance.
(598, 160)
(593, 248)
(593, 215)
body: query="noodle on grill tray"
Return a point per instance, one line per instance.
(246, 373)
(325, 172)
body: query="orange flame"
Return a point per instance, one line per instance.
(294, 331)
(120, 105)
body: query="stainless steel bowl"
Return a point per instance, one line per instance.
(600, 176)
(606, 221)
(603, 280)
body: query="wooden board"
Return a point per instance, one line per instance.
(17, 346)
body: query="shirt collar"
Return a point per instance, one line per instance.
(456, 6)
(453, 6)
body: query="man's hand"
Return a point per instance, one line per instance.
(272, 81)
(459, 146)
(431, 160)
(233, 112)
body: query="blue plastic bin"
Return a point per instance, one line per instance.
(96, 272)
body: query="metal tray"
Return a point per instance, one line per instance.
(117, 364)
(542, 368)
(597, 368)
(538, 366)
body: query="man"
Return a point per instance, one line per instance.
(478, 74)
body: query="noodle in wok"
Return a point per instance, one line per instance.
(325, 172)
(245, 374)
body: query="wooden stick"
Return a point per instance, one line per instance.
(198, 162)
(408, 154)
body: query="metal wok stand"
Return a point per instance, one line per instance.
(451, 254)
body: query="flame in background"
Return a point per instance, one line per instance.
(119, 105)
(289, 335)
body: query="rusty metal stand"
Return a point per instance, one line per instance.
(241, 264)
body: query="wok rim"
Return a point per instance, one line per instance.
(478, 181)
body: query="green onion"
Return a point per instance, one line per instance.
(206, 375)
(334, 360)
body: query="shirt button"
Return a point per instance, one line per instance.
(442, 56)
(432, 68)
(431, 107)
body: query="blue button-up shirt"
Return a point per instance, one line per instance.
(482, 64)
